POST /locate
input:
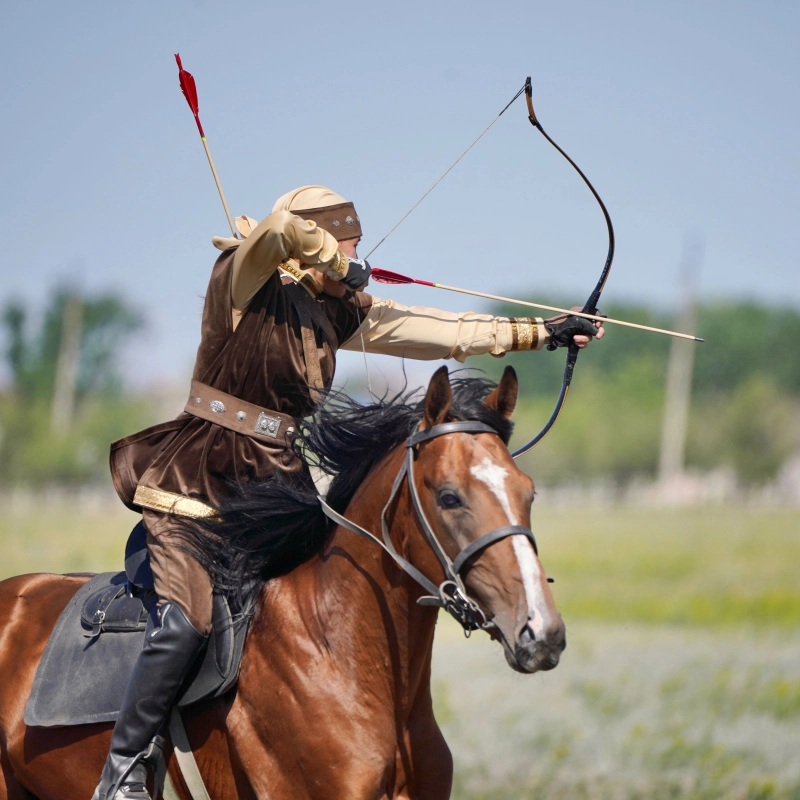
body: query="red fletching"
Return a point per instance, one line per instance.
(387, 276)
(189, 90)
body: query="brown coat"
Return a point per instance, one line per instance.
(261, 362)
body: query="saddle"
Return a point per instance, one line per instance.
(89, 657)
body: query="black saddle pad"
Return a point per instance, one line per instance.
(89, 657)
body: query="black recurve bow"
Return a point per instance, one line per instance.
(590, 307)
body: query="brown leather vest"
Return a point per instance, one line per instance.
(260, 362)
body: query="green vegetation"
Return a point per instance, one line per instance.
(63, 539)
(745, 412)
(631, 713)
(709, 566)
(714, 567)
(681, 678)
(49, 438)
(745, 404)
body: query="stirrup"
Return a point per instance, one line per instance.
(136, 790)
(133, 791)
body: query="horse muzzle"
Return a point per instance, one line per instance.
(531, 653)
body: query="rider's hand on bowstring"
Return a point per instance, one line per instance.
(358, 272)
(564, 329)
(355, 277)
(350, 272)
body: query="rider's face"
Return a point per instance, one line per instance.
(336, 288)
(348, 247)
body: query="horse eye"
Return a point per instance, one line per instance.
(450, 500)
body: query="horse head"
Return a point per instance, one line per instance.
(467, 485)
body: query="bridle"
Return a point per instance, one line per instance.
(451, 594)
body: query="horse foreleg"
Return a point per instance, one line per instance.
(424, 762)
(9, 788)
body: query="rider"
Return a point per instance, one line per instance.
(268, 347)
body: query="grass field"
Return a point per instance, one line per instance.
(681, 678)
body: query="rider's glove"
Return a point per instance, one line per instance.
(563, 327)
(358, 272)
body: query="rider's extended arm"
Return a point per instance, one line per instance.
(427, 334)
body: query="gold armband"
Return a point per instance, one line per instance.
(527, 333)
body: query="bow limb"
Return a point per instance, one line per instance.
(590, 307)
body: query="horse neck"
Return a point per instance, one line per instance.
(354, 603)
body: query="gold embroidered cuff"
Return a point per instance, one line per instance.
(337, 269)
(303, 277)
(524, 333)
(527, 333)
(170, 503)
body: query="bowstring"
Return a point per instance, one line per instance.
(445, 173)
(410, 210)
(364, 351)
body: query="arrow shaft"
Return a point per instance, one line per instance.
(219, 188)
(563, 311)
(189, 89)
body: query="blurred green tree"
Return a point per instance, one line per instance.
(745, 398)
(32, 452)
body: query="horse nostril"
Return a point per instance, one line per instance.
(527, 636)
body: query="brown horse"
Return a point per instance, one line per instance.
(334, 696)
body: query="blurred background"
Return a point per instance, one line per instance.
(668, 504)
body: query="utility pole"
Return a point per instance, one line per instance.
(679, 371)
(69, 354)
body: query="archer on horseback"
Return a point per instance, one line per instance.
(280, 303)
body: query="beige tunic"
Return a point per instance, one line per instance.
(415, 332)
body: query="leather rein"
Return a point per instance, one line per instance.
(451, 594)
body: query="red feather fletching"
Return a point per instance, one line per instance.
(189, 90)
(387, 276)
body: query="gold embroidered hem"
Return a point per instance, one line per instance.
(170, 503)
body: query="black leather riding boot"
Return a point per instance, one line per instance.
(160, 669)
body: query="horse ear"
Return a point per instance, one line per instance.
(504, 398)
(438, 398)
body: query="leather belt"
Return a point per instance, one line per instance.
(239, 416)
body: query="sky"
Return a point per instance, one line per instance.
(684, 115)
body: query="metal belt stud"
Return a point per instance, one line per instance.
(267, 425)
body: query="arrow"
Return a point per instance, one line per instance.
(189, 89)
(387, 276)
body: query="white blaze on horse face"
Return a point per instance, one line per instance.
(494, 476)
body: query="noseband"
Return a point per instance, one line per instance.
(451, 594)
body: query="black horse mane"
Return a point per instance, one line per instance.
(267, 528)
